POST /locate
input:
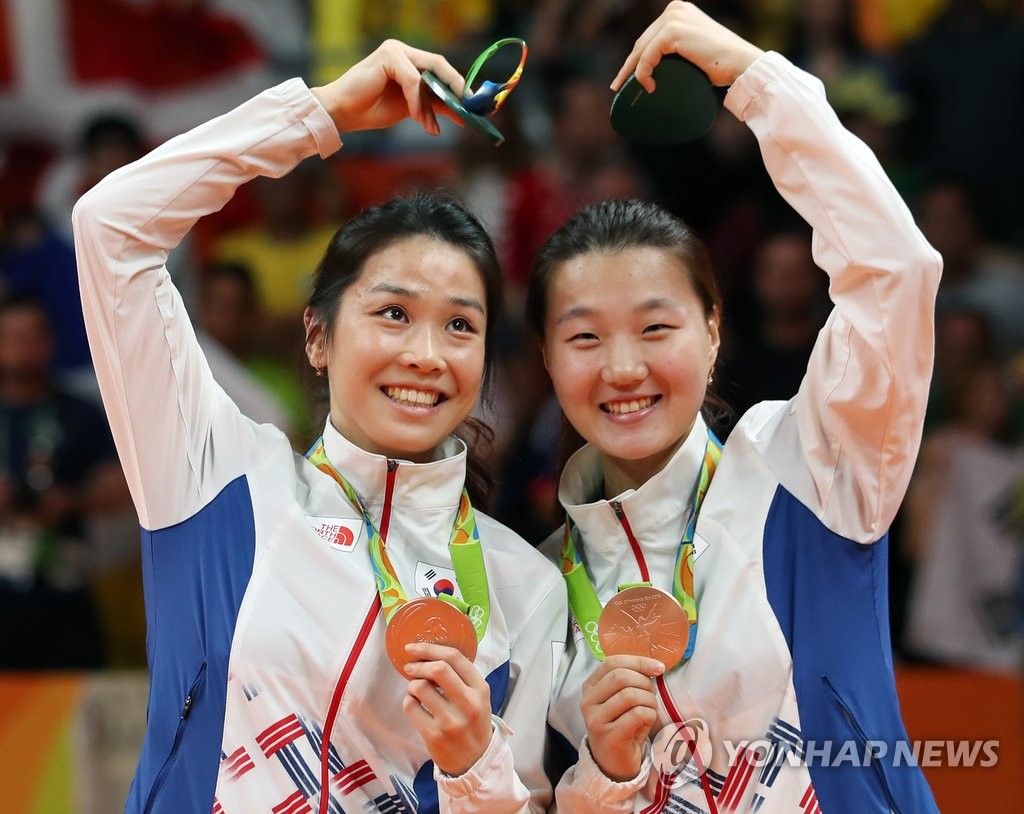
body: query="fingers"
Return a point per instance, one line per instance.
(619, 710)
(449, 703)
(445, 682)
(630, 65)
(685, 29)
(402, 70)
(423, 104)
(446, 663)
(439, 66)
(637, 664)
(622, 703)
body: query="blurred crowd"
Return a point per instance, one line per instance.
(935, 87)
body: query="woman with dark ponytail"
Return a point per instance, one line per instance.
(730, 639)
(344, 630)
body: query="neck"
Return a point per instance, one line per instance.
(621, 475)
(367, 445)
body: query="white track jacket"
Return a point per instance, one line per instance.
(271, 691)
(792, 662)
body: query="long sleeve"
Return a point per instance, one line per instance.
(169, 417)
(845, 446)
(497, 783)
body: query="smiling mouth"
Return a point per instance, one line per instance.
(627, 407)
(413, 398)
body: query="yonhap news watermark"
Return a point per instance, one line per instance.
(686, 750)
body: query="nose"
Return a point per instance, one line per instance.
(624, 365)
(424, 350)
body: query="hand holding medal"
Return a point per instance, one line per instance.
(641, 620)
(432, 642)
(425, 620)
(485, 100)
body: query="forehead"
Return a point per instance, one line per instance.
(617, 281)
(425, 266)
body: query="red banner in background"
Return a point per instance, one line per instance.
(157, 46)
(6, 73)
(170, 64)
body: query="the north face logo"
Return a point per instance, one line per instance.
(339, 534)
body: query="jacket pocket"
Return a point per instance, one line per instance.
(186, 709)
(862, 738)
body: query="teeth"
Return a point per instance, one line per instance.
(416, 398)
(625, 407)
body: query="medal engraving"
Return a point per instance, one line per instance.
(644, 622)
(432, 621)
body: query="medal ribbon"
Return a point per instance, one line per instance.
(464, 548)
(586, 606)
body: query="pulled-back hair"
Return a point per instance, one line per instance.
(375, 229)
(610, 227)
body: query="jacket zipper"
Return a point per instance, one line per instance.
(186, 710)
(855, 729)
(666, 699)
(353, 657)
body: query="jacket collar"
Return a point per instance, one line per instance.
(433, 485)
(657, 512)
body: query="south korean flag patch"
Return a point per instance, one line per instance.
(434, 580)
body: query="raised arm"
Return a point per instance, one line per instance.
(167, 414)
(855, 427)
(846, 445)
(169, 418)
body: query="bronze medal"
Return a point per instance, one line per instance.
(431, 621)
(644, 621)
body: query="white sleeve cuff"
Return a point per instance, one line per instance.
(591, 782)
(753, 82)
(496, 757)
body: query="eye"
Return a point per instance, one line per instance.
(462, 325)
(583, 338)
(393, 314)
(656, 328)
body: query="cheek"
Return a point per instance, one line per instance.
(469, 365)
(569, 376)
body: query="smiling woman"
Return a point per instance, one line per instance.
(326, 631)
(405, 348)
(771, 548)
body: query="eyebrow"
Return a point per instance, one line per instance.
(647, 305)
(402, 291)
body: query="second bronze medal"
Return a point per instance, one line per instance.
(644, 621)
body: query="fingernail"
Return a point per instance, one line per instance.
(656, 667)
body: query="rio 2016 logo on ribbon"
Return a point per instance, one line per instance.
(476, 616)
(672, 750)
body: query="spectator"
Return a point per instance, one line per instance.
(231, 317)
(37, 262)
(767, 360)
(57, 469)
(109, 140)
(965, 77)
(963, 600)
(281, 250)
(977, 274)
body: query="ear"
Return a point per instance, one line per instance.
(715, 337)
(544, 356)
(315, 350)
